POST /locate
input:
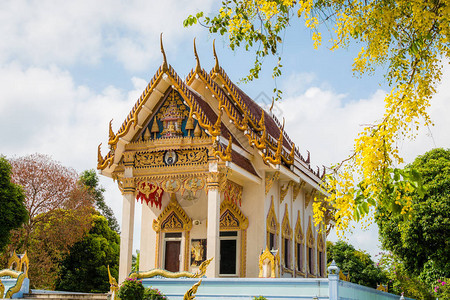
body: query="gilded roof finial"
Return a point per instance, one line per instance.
(216, 66)
(164, 64)
(198, 69)
(273, 101)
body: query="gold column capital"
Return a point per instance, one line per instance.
(212, 181)
(128, 185)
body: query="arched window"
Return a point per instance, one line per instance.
(286, 234)
(299, 246)
(310, 269)
(233, 236)
(272, 227)
(320, 255)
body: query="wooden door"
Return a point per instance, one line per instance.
(172, 257)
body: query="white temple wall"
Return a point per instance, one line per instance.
(148, 239)
(253, 208)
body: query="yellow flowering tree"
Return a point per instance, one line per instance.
(411, 37)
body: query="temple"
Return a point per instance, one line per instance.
(218, 177)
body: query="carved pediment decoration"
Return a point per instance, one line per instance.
(270, 179)
(172, 218)
(286, 230)
(231, 217)
(309, 235)
(272, 224)
(298, 230)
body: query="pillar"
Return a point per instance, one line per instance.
(126, 234)
(212, 230)
(333, 281)
(148, 238)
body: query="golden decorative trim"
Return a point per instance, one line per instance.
(197, 66)
(284, 190)
(187, 157)
(223, 155)
(216, 65)
(272, 225)
(309, 235)
(231, 217)
(286, 230)
(164, 64)
(270, 179)
(212, 180)
(187, 251)
(190, 294)
(157, 246)
(274, 261)
(113, 285)
(167, 274)
(296, 188)
(22, 262)
(299, 237)
(14, 274)
(128, 185)
(2, 289)
(380, 287)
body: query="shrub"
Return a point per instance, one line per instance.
(153, 294)
(259, 298)
(131, 289)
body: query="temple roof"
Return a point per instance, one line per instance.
(212, 98)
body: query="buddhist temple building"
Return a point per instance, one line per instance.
(217, 177)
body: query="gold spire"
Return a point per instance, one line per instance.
(261, 123)
(273, 100)
(111, 132)
(198, 69)
(280, 142)
(164, 64)
(216, 66)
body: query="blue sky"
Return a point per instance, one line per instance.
(68, 67)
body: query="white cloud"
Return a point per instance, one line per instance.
(72, 32)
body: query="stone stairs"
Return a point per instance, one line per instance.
(65, 296)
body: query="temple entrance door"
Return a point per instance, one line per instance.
(172, 259)
(172, 251)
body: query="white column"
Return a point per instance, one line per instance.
(148, 240)
(212, 230)
(126, 234)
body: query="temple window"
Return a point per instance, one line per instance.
(228, 252)
(310, 246)
(233, 240)
(286, 233)
(299, 244)
(310, 261)
(320, 255)
(299, 249)
(272, 227)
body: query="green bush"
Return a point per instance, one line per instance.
(259, 298)
(131, 289)
(153, 294)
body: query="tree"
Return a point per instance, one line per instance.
(48, 186)
(84, 268)
(52, 239)
(59, 210)
(90, 180)
(424, 235)
(410, 38)
(12, 209)
(358, 264)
